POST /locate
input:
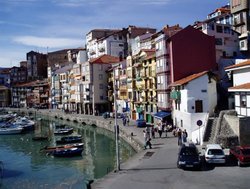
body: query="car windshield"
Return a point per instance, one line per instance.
(246, 152)
(189, 152)
(215, 152)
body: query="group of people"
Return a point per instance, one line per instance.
(181, 135)
(149, 132)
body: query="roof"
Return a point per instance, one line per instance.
(105, 59)
(2, 87)
(213, 146)
(189, 78)
(242, 64)
(64, 69)
(243, 87)
(161, 115)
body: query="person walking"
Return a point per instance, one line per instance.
(124, 121)
(184, 136)
(148, 143)
(179, 136)
(160, 129)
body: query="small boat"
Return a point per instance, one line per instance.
(64, 131)
(70, 139)
(10, 130)
(39, 138)
(24, 122)
(52, 148)
(67, 152)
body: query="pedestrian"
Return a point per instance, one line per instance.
(128, 120)
(160, 129)
(148, 131)
(179, 134)
(184, 136)
(148, 143)
(124, 121)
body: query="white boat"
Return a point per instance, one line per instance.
(24, 122)
(10, 130)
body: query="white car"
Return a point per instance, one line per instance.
(215, 154)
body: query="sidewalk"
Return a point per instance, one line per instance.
(142, 170)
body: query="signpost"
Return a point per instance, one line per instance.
(199, 123)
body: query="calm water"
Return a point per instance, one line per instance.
(25, 167)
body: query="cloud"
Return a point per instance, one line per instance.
(77, 3)
(48, 42)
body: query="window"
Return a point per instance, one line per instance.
(219, 29)
(218, 41)
(158, 63)
(101, 98)
(243, 100)
(101, 86)
(100, 76)
(242, 44)
(120, 38)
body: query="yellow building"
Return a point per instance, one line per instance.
(142, 85)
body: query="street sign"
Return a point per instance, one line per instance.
(199, 123)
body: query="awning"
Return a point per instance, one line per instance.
(162, 115)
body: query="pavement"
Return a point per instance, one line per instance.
(156, 168)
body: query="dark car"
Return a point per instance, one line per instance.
(241, 154)
(188, 157)
(141, 123)
(106, 115)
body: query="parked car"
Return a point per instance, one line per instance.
(106, 115)
(188, 157)
(241, 154)
(141, 123)
(215, 154)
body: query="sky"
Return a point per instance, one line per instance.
(49, 25)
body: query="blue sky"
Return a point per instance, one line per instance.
(49, 25)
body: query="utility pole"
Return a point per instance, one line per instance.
(116, 125)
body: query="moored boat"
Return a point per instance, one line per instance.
(67, 152)
(52, 148)
(64, 131)
(70, 139)
(10, 130)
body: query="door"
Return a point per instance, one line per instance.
(198, 106)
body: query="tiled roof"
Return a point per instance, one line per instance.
(246, 63)
(188, 79)
(245, 86)
(105, 59)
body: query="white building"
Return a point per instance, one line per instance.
(104, 41)
(194, 99)
(240, 73)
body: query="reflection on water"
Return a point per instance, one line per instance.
(25, 166)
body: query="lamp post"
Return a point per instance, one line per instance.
(116, 125)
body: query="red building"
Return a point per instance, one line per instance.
(190, 51)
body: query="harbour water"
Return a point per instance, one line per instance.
(24, 166)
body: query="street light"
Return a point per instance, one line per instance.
(116, 125)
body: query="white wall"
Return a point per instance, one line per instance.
(199, 89)
(189, 122)
(241, 76)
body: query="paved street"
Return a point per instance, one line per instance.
(156, 168)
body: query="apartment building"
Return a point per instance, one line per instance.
(241, 22)
(36, 65)
(95, 84)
